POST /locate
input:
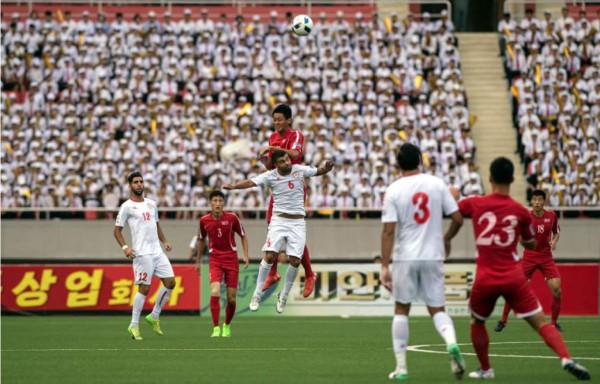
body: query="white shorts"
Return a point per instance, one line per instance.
(419, 280)
(287, 235)
(147, 265)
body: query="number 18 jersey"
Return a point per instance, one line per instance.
(498, 222)
(417, 204)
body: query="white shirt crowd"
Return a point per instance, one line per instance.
(87, 101)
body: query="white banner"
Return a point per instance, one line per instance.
(355, 290)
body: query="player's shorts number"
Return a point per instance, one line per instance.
(142, 276)
(421, 199)
(487, 238)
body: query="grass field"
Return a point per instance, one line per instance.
(94, 349)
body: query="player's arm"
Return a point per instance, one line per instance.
(555, 235)
(245, 250)
(162, 238)
(387, 243)
(118, 233)
(240, 185)
(455, 225)
(201, 244)
(324, 168)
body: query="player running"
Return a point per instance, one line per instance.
(220, 227)
(498, 223)
(291, 142)
(287, 228)
(413, 209)
(545, 226)
(141, 215)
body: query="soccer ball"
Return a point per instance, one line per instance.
(302, 25)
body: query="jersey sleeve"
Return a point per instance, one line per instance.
(448, 203)
(297, 142)
(238, 227)
(155, 212)
(122, 216)
(527, 231)
(466, 206)
(306, 170)
(389, 213)
(261, 179)
(194, 241)
(555, 226)
(202, 231)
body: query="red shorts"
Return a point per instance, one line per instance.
(218, 271)
(518, 295)
(546, 267)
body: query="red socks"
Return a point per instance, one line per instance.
(554, 340)
(481, 343)
(505, 313)
(308, 271)
(215, 310)
(555, 308)
(229, 312)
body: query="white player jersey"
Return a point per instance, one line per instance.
(141, 219)
(417, 204)
(287, 191)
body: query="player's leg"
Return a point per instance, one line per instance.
(215, 300)
(142, 270)
(310, 277)
(482, 302)
(290, 277)
(263, 271)
(400, 335)
(163, 270)
(232, 274)
(431, 291)
(552, 277)
(273, 276)
(526, 306)
(404, 292)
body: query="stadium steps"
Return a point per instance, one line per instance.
(488, 98)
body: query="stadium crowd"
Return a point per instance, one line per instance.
(87, 101)
(553, 69)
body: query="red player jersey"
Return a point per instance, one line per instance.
(544, 227)
(498, 221)
(221, 235)
(292, 139)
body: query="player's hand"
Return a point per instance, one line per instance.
(246, 262)
(227, 186)
(167, 246)
(553, 245)
(447, 247)
(198, 269)
(129, 253)
(329, 165)
(386, 278)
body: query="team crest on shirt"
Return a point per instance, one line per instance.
(149, 206)
(224, 222)
(546, 220)
(134, 207)
(296, 174)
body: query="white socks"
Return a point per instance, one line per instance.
(445, 327)
(400, 340)
(290, 277)
(161, 299)
(138, 304)
(263, 272)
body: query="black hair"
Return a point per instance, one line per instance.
(133, 175)
(539, 192)
(502, 170)
(506, 14)
(284, 109)
(277, 155)
(409, 157)
(216, 193)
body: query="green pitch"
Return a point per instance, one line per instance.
(82, 349)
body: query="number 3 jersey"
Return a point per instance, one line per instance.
(417, 204)
(498, 222)
(220, 233)
(141, 217)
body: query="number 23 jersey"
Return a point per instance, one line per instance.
(498, 222)
(417, 204)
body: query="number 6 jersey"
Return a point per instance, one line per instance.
(417, 204)
(498, 222)
(141, 217)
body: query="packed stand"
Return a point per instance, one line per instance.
(553, 68)
(87, 101)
